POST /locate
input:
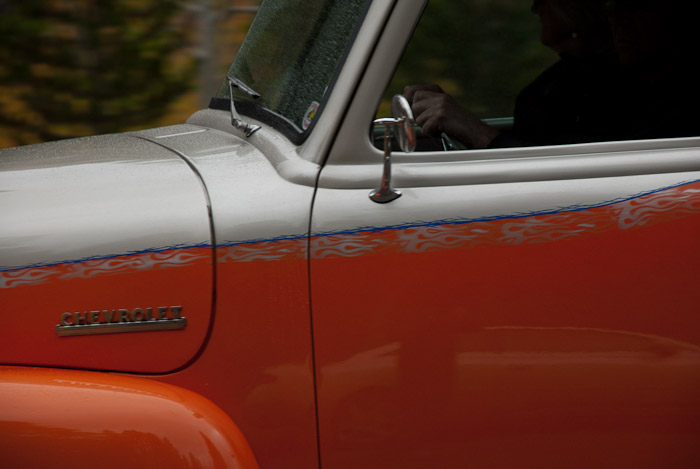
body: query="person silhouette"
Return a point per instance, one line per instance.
(655, 41)
(566, 104)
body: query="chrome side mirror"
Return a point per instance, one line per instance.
(404, 129)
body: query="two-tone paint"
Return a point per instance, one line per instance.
(516, 307)
(529, 307)
(94, 226)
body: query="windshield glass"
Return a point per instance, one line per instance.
(290, 57)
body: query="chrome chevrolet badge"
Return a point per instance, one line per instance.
(112, 321)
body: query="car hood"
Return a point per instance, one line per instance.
(101, 238)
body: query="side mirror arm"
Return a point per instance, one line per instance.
(385, 193)
(403, 126)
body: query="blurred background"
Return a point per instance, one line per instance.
(72, 68)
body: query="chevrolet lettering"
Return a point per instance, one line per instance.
(112, 321)
(352, 267)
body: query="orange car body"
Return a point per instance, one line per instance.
(192, 297)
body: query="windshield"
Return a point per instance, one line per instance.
(290, 57)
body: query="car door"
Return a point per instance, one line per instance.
(464, 318)
(532, 307)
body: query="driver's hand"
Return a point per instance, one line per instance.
(437, 112)
(410, 91)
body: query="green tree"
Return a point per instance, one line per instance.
(80, 67)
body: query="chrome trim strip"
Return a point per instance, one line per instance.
(114, 328)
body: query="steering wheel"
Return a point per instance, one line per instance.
(450, 145)
(444, 142)
(406, 132)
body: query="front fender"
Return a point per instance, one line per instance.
(65, 418)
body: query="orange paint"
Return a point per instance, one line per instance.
(87, 419)
(258, 362)
(575, 343)
(567, 339)
(34, 305)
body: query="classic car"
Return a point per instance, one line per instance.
(280, 282)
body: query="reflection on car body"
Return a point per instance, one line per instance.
(523, 306)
